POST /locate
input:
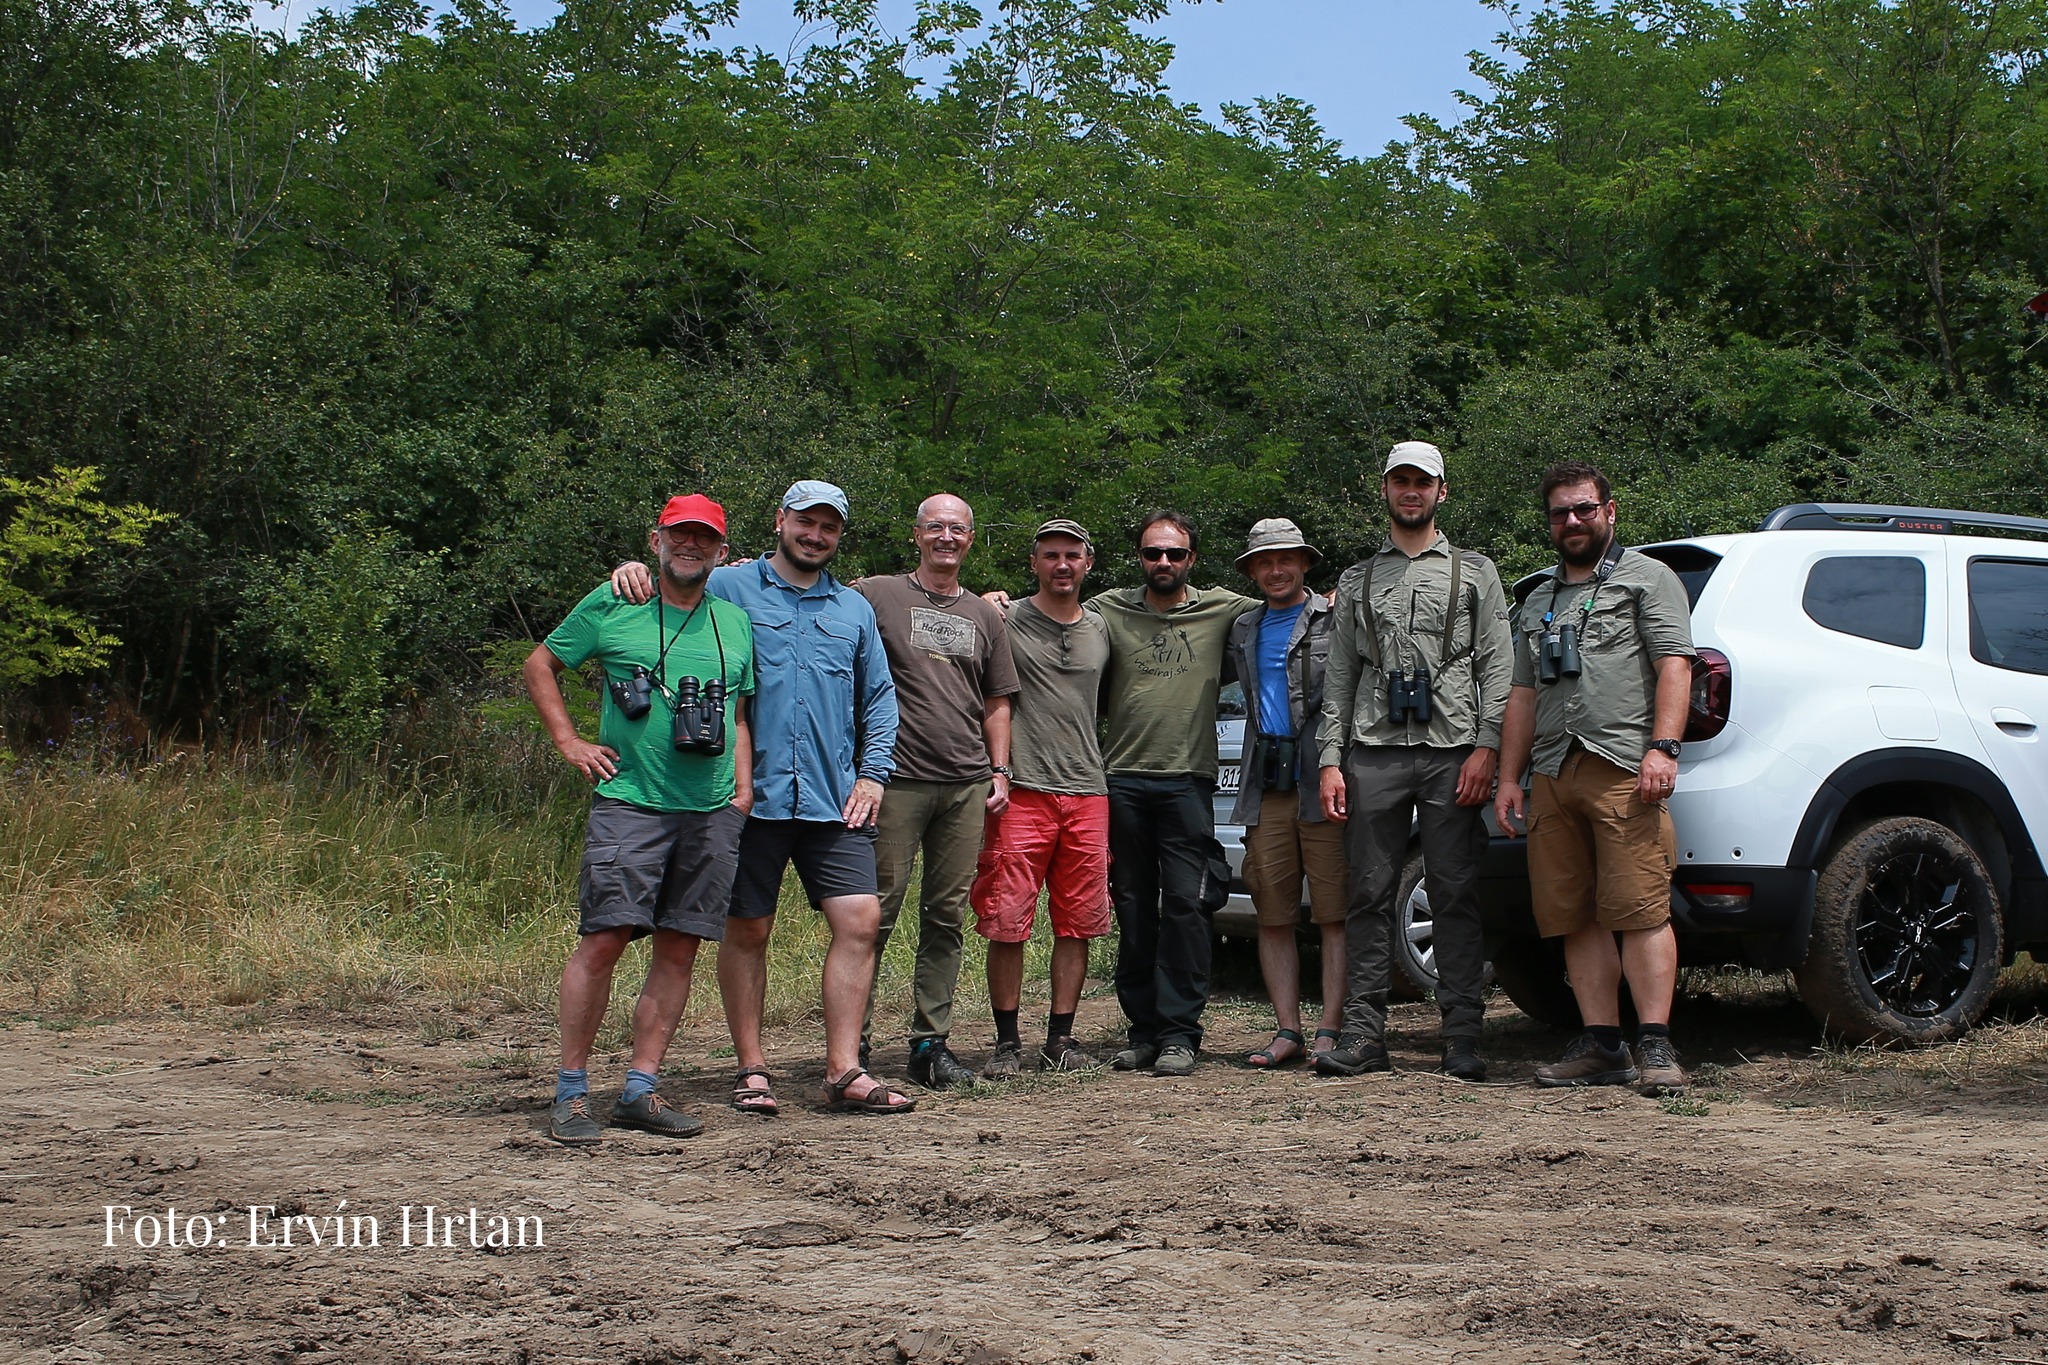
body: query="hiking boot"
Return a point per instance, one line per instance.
(653, 1114)
(1585, 1062)
(1175, 1059)
(1006, 1064)
(1657, 1065)
(1064, 1054)
(1354, 1055)
(1136, 1057)
(570, 1123)
(933, 1066)
(1462, 1060)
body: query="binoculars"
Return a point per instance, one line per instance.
(1557, 655)
(1408, 695)
(700, 717)
(633, 696)
(1276, 766)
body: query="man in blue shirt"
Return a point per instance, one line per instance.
(824, 744)
(1279, 652)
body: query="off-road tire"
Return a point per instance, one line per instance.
(1908, 935)
(1530, 972)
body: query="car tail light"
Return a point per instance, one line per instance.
(1713, 690)
(1716, 896)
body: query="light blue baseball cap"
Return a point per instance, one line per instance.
(808, 493)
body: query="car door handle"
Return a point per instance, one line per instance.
(2014, 723)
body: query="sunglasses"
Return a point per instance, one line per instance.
(1173, 554)
(1578, 511)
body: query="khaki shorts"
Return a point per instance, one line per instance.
(1596, 854)
(1282, 849)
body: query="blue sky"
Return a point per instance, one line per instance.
(1363, 64)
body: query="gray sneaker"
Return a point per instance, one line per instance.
(1064, 1054)
(1657, 1063)
(653, 1114)
(571, 1124)
(1175, 1059)
(1585, 1062)
(1005, 1064)
(1136, 1057)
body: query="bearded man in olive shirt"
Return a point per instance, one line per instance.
(1167, 876)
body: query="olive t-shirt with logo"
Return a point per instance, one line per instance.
(1164, 672)
(1053, 746)
(949, 655)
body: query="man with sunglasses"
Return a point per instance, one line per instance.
(1602, 677)
(665, 824)
(1167, 876)
(1412, 703)
(950, 656)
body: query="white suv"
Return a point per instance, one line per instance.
(1863, 792)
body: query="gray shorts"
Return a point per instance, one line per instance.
(831, 861)
(651, 869)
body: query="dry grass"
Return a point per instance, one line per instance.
(198, 881)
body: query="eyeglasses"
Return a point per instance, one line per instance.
(692, 532)
(1578, 511)
(951, 528)
(1173, 554)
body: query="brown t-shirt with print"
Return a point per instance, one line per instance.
(949, 655)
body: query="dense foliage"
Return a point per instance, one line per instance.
(408, 321)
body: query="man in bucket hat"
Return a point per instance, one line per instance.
(1279, 651)
(1420, 662)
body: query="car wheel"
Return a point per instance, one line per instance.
(1530, 972)
(1908, 938)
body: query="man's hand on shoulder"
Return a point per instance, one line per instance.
(631, 582)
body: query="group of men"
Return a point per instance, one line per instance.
(1053, 746)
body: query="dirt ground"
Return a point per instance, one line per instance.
(1801, 1205)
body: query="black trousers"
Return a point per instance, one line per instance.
(1167, 879)
(1390, 789)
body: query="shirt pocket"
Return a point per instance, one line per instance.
(1610, 625)
(774, 639)
(834, 646)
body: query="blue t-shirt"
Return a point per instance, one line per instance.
(1275, 716)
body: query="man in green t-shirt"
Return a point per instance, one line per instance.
(673, 769)
(1167, 874)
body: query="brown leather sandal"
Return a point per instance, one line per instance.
(880, 1100)
(750, 1099)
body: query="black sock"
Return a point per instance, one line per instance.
(1607, 1037)
(1006, 1026)
(1057, 1027)
(1655, 1031)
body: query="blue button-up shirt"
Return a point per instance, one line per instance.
(825, 711)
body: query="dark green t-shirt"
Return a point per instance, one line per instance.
(1164, 672)
(619, 635)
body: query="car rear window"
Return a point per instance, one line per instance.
(2009, 614)
(1873, 597)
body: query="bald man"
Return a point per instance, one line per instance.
(950, 656)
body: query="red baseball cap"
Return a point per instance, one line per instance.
(695, 507)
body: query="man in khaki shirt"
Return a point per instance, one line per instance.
(1412, 703)
(1602, 677)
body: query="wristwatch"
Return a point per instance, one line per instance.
(1667, 747)
(1000, 771)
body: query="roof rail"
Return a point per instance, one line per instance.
(1857, 516)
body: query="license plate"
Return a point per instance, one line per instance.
(1228, 777)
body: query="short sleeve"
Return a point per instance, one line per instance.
(1525, 654)
(747, 682)
(577, 638)
(999, 673)
(1664, 615)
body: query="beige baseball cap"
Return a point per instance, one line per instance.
(1416, 455)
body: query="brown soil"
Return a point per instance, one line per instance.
(1819, 1209)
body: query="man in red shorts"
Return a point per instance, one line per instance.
(1055, 831)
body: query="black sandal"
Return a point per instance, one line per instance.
(750, 1099)
(880, 1100)
(1266, 1061)
(1332, 1034)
